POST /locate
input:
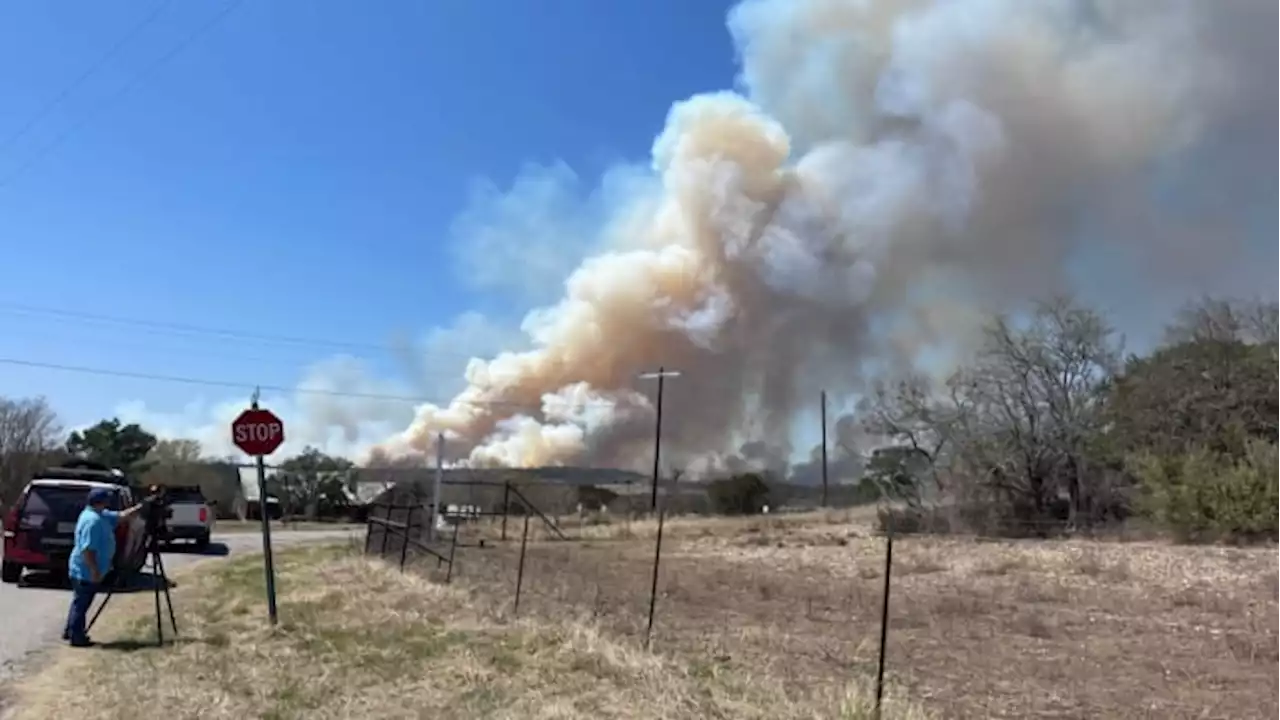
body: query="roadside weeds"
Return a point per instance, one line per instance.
(359, 639)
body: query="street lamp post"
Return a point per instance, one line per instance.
(660, 376)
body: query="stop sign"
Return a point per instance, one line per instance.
(257, 432)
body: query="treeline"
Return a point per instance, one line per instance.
(1051, 427)
(310, 484)
(1048, 428)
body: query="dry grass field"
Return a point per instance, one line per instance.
(359, 639)
(978, 629)
(773, 617)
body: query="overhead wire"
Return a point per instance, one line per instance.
(136, 80)
(301, 390)
(186, 329)
(84, 76)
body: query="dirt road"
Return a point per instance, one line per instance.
(33, 613)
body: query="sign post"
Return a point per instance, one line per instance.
(258, 432)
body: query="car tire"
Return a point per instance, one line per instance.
(202, 542)
(10, 572)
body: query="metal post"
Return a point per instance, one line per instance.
(524, 542)
(368, 532)
(404, 544)
(653, 587)
(884, 617)
(386, 531)
(824, 448)
(436, 501)
(266, 539)
(453, 548)
(506, 502)
(657, 442)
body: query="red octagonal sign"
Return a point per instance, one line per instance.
(257, 432)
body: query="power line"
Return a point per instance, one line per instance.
(124, 90)
(89, 72)
(190, 329)
(248, 385)
(35, 337)
(193, 331)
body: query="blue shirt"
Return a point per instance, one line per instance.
(97, 532)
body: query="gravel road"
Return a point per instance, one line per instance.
(32, 614)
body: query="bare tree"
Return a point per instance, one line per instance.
(1015, 426)
(1225, 320)
(176, 450)
(909, 413)
(1049, 380)
(29, 435)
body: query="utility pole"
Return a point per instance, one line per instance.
(824, 448)
(435, 496)
(660, 376)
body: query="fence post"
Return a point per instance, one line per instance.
(435, 528)
(653, 588)
(386, 530)
(884, 615)
(404, 541)
(506, 502)
(368, 532)
(453, 548)
(528, 506)
(524, 542)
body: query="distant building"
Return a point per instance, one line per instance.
(247, 505)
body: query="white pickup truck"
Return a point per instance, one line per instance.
(191, 516)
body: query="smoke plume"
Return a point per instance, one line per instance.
(889, 170)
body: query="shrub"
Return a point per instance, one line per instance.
(745, 494)
(1205, 495)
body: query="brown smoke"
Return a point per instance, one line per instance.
(894, 168)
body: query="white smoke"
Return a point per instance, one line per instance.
(892, 168)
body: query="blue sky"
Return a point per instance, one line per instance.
(300, 169)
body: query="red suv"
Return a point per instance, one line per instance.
(39, 531)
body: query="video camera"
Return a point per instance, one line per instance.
(156, 510)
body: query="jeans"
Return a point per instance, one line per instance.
(82, 594)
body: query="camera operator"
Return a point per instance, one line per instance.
(95, 546)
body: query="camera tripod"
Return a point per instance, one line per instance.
(160, 582)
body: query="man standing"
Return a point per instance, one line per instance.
(95, 546)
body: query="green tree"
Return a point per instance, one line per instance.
(314, 482)
(1203, 495)
(899, 472)
(114, 444)
(744, 494)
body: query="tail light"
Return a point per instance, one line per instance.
(11, 522)
(204, 514)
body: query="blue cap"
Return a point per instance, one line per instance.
(99, 495)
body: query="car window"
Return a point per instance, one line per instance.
(62, 502)
(186, 495)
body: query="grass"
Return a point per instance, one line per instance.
(978, 629)
(766, 617)
(360, 639)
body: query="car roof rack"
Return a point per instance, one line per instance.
(83, 470)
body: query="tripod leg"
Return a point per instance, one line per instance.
(163, 578)
(101, 606)
(156, 574)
